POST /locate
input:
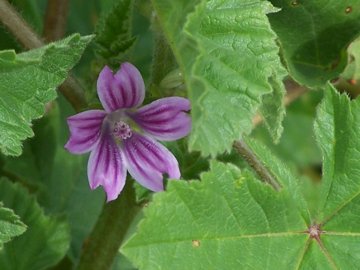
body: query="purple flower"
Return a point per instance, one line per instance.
(123, 137)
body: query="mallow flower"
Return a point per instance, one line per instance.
(123, 137)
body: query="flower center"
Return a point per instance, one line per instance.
(121, 130)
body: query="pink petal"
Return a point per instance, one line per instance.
(165, 119)
(84, 130)
(125, 89)
(147, 160)
(106, 167)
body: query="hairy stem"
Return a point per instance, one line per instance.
(294, 91)
(265, 175)
(71, 89)
(55, 19)
(18, 27)
(100, 249)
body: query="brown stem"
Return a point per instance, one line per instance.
(55, 19)
(243, 149)
(71, 89)
(18, 27)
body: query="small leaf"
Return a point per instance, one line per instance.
(43, 244)
(228, 55)
(314, 36)
(113, 31)
(10, 225)
(28, 81)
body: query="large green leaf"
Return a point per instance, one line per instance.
(227, 52)
(10, 225)
(28, 81)
(314, 36)
(43, 244)
(229, 220)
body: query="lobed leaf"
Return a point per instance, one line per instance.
(227, 52)
(226, 215)
(29, 81)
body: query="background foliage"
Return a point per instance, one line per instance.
(280, 76)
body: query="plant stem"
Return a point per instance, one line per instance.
(55, 19)
(18, 27)
(71, 89)
(265, 175)
(100, 249)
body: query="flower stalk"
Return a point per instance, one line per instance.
(18, 27)
(100, 249)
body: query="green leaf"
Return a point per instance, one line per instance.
(226, 215)
(28, 82)
(229, 214)
(113, 31)
(337, 132)
(43, 244)
(314, 36)
(10, 225)
(229, 58)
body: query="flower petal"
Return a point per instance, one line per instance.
(84, 130)
(106, 167)
(147, 160)
(165, 119)
(125, 89)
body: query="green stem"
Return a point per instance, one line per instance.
(265, 175)
(100, 249)
(71, 89)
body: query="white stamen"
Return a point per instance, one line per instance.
(122, 130)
